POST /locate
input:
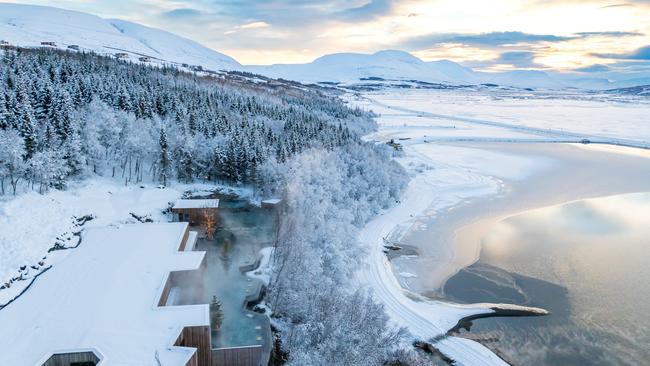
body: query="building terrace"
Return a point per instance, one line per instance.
(102, 304)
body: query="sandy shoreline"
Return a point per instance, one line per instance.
(450, 240)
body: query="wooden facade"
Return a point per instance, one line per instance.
(237, 356)
(195, 216)
(162, 301)
(199, 337)
(196, 212)
(74, 358)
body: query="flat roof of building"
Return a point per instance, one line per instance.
(198, 203)
(103, 296)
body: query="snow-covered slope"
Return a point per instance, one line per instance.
(355, 67)
(390, 68)
(350, 68)
(29, 25)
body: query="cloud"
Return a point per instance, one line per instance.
(609, 34)
(301, 13)
(518, 59)
(254, 25)
(507, 60)
(182, 13)
(494, 39)
(491, 39)
(502, 38)
(642, 53)
(593, 68)
(368, 11)
(618, 6)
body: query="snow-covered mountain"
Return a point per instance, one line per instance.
(398, 66)
(355, 67)
(29, 25)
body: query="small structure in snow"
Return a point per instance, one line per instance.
(271, 203)
(121, 55)
(104, 303)
(48, 43)
(195, 211)
(144, 59)
(395, 145)
(73, 47)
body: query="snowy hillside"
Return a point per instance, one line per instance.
(401, 69)
(355, 67)
(29, 25)
(641, 90)
(391, 67)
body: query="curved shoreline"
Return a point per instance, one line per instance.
(447, 181)
(427, 318)
(457, 230)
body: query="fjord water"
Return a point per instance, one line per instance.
(588, 262)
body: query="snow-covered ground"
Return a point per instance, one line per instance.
(33, 223)
(445, 175)
(104, 298)
(499, 114)
(36, 221)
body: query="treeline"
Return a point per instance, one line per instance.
(63, 114)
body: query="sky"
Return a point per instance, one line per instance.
(585, 36)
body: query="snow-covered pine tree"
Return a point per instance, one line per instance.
(25, 121)
(164, 161)
(4, 111)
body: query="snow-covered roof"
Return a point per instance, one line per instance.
(104, 297)
(272, 201)
(204, 203)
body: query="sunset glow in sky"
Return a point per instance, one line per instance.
(581, 35)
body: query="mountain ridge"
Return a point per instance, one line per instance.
(29, 25)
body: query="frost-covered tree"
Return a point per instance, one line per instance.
(4, 111)
(164, 162)
(328, 196)
(51, 97)
(25, 121)
(12, 164)
(48, 169)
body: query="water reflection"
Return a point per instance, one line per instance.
(585, 261)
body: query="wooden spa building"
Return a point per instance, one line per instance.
(194, 211)
(108, 302)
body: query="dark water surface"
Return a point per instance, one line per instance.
(588, 262)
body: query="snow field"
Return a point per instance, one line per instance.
(31, 222)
